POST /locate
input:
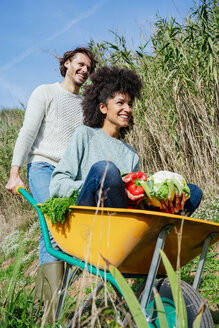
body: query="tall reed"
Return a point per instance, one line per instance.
(177, 117)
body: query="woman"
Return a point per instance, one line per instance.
(96, 156)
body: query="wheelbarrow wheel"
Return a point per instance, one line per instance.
(192, 300)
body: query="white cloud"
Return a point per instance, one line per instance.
(13, 92)
(34, 48)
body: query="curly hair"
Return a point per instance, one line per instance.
(106, 82)
(70, 55)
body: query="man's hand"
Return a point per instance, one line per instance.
(178, 205)
(14, 180)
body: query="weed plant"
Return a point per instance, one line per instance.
(176, 129)
(177, 119)
(15, 212)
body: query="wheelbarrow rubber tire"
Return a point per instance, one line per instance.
(192, 300)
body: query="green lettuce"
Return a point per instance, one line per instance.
(181, 185)
(150, 197)
(162, 186)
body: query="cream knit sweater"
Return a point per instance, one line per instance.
(51, 116)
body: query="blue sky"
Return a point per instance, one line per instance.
(33, 30)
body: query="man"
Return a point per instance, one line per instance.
(53, 112)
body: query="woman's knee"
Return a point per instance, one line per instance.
(195, 198)
(105, 167)
(196, 192)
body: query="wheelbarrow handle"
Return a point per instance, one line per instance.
(60, 254)
(17, 189)
(22, 191)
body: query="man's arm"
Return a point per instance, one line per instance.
(34, 115)
(32, 121)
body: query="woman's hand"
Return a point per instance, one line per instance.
(134, 198)
(179, 205)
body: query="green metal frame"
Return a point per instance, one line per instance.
(61, 255)
(148, 307)
(79, 263)
(106, 276)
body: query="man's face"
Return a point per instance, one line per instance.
(78, 68)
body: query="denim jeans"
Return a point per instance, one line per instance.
(103, 185)
(193, 202)
(109, 191)
(39, 175)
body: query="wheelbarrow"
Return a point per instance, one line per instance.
(130, 239)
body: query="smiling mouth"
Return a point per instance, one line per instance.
(82, 76)
(126, 117)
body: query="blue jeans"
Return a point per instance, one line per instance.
(110, 191)
(103, 186)
(39, 175)
(193, 202)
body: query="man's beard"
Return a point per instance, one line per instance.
(79, 84)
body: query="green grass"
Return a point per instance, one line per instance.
(210, 281)
(17, 288)
(208, 210)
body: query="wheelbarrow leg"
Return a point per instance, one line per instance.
(154, 267)
(86, 304)
(68, 278)
(201, 262)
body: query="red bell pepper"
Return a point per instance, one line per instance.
(133, 185)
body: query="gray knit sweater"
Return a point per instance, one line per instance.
(51, 116)
(86, 147)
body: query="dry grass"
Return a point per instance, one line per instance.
(176, 129)
(15, 212)
(192, 151)
(177, 119)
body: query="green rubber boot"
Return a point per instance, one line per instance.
(48, 283)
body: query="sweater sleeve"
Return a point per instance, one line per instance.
(136, 163)
(63, 180)
(34, 115)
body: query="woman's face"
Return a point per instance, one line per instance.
(118, 111)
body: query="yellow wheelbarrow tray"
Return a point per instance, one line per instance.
(127, 237)
(131, 240)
